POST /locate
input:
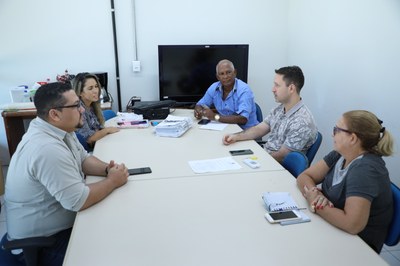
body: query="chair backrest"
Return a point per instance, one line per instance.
(393, 236)
(314, 148)
(82, 140)
(259, 113)
(108, 114)
(295, 162)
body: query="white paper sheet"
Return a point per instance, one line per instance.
(214, 165)
(214, 125)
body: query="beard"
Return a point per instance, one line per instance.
(80, 123)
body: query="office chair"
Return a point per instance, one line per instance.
(393, 236)
(314, 148)
(108, 114)
(295, 162)
(31, 248)
(82, 140)
(259, 116)
(259, 113)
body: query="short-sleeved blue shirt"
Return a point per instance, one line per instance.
(240, 101)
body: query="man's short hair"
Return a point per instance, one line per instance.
(292, 75)
(50, 95)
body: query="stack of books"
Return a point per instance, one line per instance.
(173, 126)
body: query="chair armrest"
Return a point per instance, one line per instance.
(29, 242)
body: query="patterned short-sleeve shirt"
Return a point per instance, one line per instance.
(295, 129)
(90, 123)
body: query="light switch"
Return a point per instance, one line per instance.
(136, 66)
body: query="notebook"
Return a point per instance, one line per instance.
(279, 201)
(283, 201)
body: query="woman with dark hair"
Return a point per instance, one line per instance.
(88, 89)
(355, 195)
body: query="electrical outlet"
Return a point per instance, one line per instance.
(136, 66)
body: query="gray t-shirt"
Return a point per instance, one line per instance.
(45, 184)
(294, 129)
(366, 177)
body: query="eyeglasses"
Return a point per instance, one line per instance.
(78, 105)
(338, 129)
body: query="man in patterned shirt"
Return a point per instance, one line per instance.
(290, 126)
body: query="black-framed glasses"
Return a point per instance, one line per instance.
(337, 129)
(78, 105)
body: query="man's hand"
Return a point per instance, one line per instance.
(118, 174)
(229, 139)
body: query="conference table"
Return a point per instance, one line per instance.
(168, 157)
(176, 217)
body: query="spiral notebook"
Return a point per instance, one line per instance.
(279, 201)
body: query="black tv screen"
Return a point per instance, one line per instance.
(186, 71)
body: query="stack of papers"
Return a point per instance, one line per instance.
(131, 120)
(173, 126)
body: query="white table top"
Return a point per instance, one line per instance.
(176, 217)
(207, 220)
(169, 157)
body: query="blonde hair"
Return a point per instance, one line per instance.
(368, 128)
(78, 85)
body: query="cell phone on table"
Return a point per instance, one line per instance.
(241, 152)
(204, 121)
(277, 217)
(139, 171)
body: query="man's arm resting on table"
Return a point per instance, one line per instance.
(233, 119)
(116, 177)
(254, 132)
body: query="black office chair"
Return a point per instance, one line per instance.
(393, 237)
(31, 248)
(295, 162)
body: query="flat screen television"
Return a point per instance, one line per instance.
(186, 71)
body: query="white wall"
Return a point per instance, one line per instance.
(347, 49)
(262, 25)
(40, 39)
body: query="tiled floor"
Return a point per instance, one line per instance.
(390, 254)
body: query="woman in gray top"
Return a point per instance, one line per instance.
(355, 195)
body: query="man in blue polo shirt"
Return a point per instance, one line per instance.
(231, 97)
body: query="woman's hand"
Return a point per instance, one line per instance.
(316, 198)
(110, 130)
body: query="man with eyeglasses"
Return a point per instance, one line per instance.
(231, 97)
(45, 185)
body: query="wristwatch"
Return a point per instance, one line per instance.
(217, 117)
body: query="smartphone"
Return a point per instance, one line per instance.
(241, 152)
(276, 217)
(204, 121)
(138, 171)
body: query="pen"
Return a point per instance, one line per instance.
(295, 209)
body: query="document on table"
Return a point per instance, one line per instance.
(214, 125)
(214, 165)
